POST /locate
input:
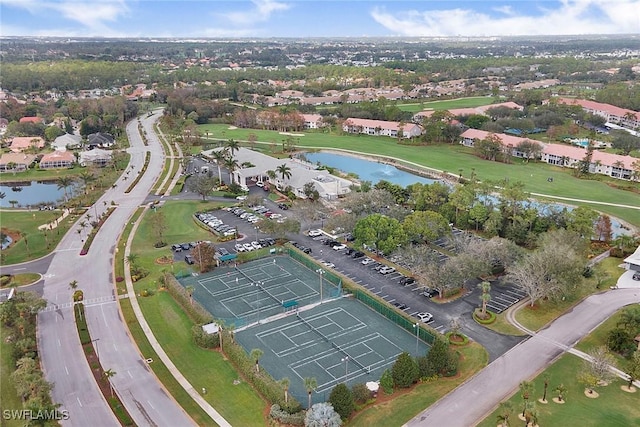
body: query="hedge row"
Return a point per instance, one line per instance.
(147, 158)
(261, 381)
(283, 417)
(194, 310)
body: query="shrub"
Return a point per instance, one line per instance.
(283, 417)
(195, 311)
(405, 371)
(461, 338)
(490, 319)
(442, 360)
(203, 339)
(361, 393)
(386, 381)
(342, 400)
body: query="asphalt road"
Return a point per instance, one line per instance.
(474, 400)
(62, 357)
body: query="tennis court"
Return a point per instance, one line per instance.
(339, 341)
(257, 290)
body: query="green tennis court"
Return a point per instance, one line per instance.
(257, 290)
(341, 340)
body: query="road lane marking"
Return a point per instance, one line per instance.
(66, 369)
(151, 404)
(79, 403)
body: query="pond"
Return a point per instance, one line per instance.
(367, 170)
(30, 193)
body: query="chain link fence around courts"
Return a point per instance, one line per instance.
(328, 275)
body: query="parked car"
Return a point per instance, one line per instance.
(636, 276)
(256, 245)
(260, 184)
(247, 247)
(189, 259)
(429, 293)
(315, 233)
(358, 254)
(407, 281)
(241, 198)
(328, 264)
(239, 247)
(306, 250)
(339, 247)
(424, 317)
(366, 261)
(400, 305)
(386, 270)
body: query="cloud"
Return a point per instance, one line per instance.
(261, 12)
(569, 17)
(94, 15)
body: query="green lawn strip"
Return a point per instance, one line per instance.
(40, 174)
(614, 407)
(502, 326)
(238, 404)
(598, 337)
(8, 394)
(160, 369)
(452, 158)
(20, 279)
(28, 222)
(476, 101)
(403, 407)
(166, 168)
(544, 312)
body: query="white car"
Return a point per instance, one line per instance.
(386, 270)
(339, 247)
(315, 233)
(328, 264)
(260, 184)
(239, 247)
(366, 261)
(256, 245)
(424, 317)
(248, 247)
(241, 198)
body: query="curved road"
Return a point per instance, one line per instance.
(475, 399)
(63, 361)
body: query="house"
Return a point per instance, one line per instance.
(381, 127)
(32, 120)
(16, 162)
(96, 157)
(57, 160)
(312, 121)
(258, 165)
(100, 139)
(21, 143)
(67, 141)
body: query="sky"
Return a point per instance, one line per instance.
(316, 18)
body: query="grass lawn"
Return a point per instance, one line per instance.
(544, 312)
(614, 407)
(21, 279)
(452, 158)
(40, 174)
(447, 104)
(406, 405)
(239, 404)
(598, 338)
(8, 395)
(503, 327)
(28, 222)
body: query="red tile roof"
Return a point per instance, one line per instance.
(31, 120)
(598, 106)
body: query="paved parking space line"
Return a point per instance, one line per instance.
(502, 298)
(493, 301)
(515, 293)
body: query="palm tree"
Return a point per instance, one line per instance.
(526, 388)
(232, 146)
(561, 390)
(310, 384)
(83, 225)
(109, 373)
(219, 156)
(284, 171)
(271, 174)
(546, 377)
(256, 354)
(73, 285)
(86, 177)
(132, 260)
(485, 297)
(63, 183)
(231, 164)
(504, 413)
(285, 382)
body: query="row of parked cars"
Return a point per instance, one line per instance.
(255, 245)
(216, 224)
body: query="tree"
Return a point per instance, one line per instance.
(232, 165)
(256, 354)
(582, 220)
(561, 392)
(159, 227)
(526, 389)
(405, 370)
(204, 255)
(489, 148)
(310, 384)
(361, 393)
(86, 177)
(421, 226)
(546, 379)
(633, 369)
(285, 383)
(110, 373)
(284, 170)
(322, 415)
(504, 413)
(485, 297)
(442, 360)
(65, 182)
(219, 156)
(381, 232)
(310, 192)
(341, 399)
(202, 185)
(386, 381)
(603, 228)
(597, 370)
(232, 146)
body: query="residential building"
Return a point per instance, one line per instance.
(381, 128)
(312, 121)
(16, 162)
(95, 157)
(100, 139)
(57, 160)
(67, 141)
(31, 120)
(627, 119)
(21, 143)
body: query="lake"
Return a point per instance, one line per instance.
(367, 170)
(31, 193)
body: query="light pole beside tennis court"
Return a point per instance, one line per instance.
(321, 273)
(346, 365)
(417, 326)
